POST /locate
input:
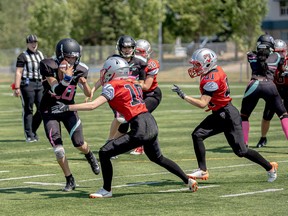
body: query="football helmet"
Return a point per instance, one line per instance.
(68, 47)
(203, 60)
(281, 46)
(114, 68)
(266, 41)
(143, 48)
(126, 41)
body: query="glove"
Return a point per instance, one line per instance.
(59, 108)
(176, 89)
(284, 74)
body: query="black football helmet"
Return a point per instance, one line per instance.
(68, 47)
(126, 41)
(266, 41)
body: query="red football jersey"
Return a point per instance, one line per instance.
(152, 69)
(125, 97)
(281, 80)
(215, 83)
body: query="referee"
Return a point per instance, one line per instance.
(28, 85)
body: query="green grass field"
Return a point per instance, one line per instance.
(31, 180)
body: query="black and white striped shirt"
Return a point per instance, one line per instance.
(30, 63)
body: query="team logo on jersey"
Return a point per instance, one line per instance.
(207, 57)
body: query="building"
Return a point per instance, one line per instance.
(276, 21)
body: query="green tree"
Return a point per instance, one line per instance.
(237, 20)
(14, 23)
(51, 20)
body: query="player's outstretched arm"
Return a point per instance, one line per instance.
(61, 107)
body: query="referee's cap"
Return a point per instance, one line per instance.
(31, 38)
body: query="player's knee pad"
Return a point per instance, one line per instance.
(59, 152)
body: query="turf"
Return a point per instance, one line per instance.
(31, 180)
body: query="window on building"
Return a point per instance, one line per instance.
(284, 35)
(283, 7)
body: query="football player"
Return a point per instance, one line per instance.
(264, 62)
(126, 50)
(281, 81)
(151, 92)
(60, 85)
(225, 118)
(125, 97)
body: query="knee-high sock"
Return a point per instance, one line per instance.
(245, 129)
(284, 123)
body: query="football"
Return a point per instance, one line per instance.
(62, 67)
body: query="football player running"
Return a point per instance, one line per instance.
(60, 85)
(225, 118)
(126, 50)
(152, 94)
(125, 97)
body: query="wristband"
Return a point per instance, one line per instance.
(67, 78)
(64, 83)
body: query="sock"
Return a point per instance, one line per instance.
(245, 129)
(284, 123)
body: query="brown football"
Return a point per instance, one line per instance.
(62, 67)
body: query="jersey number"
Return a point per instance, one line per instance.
(136, 94)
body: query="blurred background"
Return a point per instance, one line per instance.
(174, 28)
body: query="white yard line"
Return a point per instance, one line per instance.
(4, 171)
(26, 177)
(252, 193)
(184, 189)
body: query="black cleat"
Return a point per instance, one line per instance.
(262, 142)
(93, 162)
(70, 184)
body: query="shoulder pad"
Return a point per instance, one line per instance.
(210, 86)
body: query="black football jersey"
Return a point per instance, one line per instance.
(274, 62)
(49, 68)
(137, 66)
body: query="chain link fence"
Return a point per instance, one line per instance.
(174, 60)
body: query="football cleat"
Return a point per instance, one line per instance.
(192, 185)
(199, 174)
(70, 184)
(30, 140)
(138, 151)
(93, 162)
(262, 142)
(272, 174)
(102, 193)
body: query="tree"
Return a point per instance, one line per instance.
(14, 23)
(51, 20)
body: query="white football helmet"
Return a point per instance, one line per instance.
(143, 48)
(114, 68)
(203, 60)
(280, 46)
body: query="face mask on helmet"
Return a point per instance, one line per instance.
(281, 47)
(126, 46)
(265, 42)
(68, 49)
(143, 48)
(202, 61)
(114, 68)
